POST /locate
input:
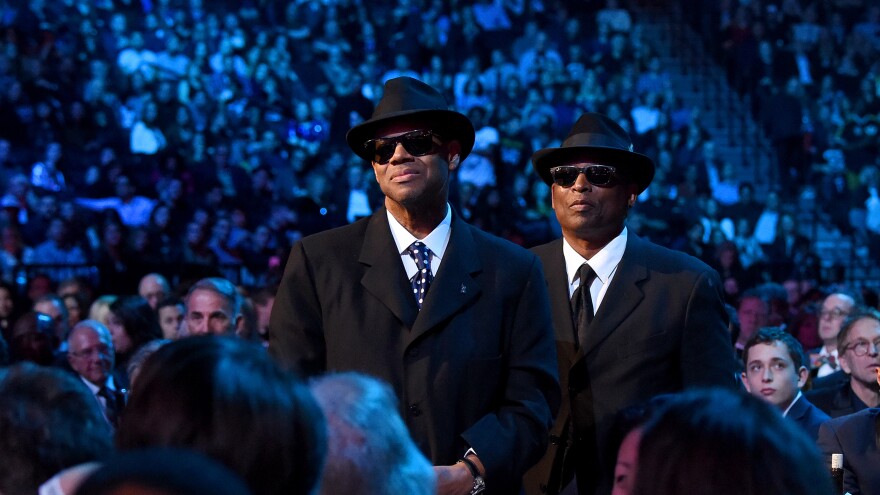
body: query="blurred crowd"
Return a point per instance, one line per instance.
(188, 137)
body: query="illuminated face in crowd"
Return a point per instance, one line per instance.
(208, 312)
(864, 339)
(835, 307)
(771, 374)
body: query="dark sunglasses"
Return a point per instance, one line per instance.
(597, 175)
(416, 143)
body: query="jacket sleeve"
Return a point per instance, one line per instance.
(707, 357)
(296, 333)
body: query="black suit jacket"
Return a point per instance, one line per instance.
(836, 401)
(475, 367)
(661, 328)
(855, 436)
(807, 416)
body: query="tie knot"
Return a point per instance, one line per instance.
(420, 254)
(586, 274)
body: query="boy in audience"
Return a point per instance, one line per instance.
(775, 371)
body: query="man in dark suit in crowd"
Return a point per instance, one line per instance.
(858, 349)
(659, 323)
(857, 437)
(456, 320)
(776, 371)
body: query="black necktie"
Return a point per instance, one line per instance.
(422, 280)
(113, 404)
(582, 302)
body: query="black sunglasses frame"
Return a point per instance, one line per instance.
(563, 176)
(383, 149)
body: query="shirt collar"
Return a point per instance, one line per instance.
(796, 397)
(603, 263)
(437, 240)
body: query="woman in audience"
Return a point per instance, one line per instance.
(227, 399)
(132, 323)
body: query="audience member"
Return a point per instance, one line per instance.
(132, 323)
(836, 306)
(225, 398)
(154, 287)
(739, 443)
(858, 347)
(369, 450)
(48, 422)
(91, 356)
(213, 306)
(170, 312)
(857, 437)
(776, 371)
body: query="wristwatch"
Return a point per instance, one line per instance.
(479, 482)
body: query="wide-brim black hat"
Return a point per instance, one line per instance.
(411, 98)
(597, 138)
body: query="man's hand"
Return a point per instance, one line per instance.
(453, 480)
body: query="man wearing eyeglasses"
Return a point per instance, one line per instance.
(835, 307)
(456, 320)
(858, 348)
(91, 355)
(632, 319)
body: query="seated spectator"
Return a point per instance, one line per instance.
(857, 437)
(48, 422)
(154, 287)
(165, 471)
(91, 356)
(836, 306)
(213, 306)
(858, 347)
(369, 450)
(132, 323)
(100, 309)
(45, 174)
(8, 310)
(775, 371)
(726, 443)
(227, 399)
(53, 306)
(753, 312)
(170, 311)
(33, 339)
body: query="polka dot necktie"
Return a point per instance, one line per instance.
(421, 280)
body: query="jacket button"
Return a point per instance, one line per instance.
(414, 410)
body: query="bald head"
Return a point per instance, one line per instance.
(154, 287)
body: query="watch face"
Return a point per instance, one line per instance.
(479, 485)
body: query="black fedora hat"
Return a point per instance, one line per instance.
(411, 98)
(596, 137)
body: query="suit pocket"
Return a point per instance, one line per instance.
(653, 343)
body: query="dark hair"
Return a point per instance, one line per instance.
(769, 335)
(169, 301)
(167, 471)
(138, 318)
(858, 313)
(33, 339)
(227, 399)
(726, 443)
(49, 421)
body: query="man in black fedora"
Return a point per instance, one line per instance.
(632, 319)
(456, 320)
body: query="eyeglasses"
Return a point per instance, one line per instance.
(416, 143)
(597, 175)
(860, 347)
(833, 314)
(100, 351)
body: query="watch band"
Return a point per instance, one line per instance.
(479, 482)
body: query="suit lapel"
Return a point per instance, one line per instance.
(454, 284)
(622, 296)
(560, 300)
(384, 276)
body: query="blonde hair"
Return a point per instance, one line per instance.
(100, 309)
